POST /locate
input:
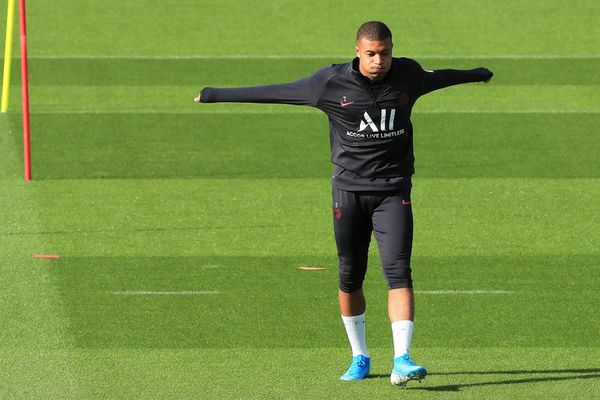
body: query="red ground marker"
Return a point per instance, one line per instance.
(306, 268)
(50, 256)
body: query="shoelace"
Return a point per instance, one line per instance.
(408, 361)
(361, 362)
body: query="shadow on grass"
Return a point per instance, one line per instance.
(558, 375)
(581, 374)
(525, 371)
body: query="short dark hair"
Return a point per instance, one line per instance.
(374, 31)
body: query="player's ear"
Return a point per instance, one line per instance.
(357, 51)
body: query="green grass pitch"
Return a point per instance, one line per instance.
(140, 191)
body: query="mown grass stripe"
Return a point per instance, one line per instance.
(164, 293)
(312, 57)
(305, 111)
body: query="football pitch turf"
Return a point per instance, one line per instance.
(180, 227)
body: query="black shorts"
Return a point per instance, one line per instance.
(356, 215)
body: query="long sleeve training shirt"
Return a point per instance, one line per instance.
(371, 134)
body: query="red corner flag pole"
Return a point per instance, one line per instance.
(25, 90)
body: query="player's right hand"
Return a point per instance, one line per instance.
(197, 99)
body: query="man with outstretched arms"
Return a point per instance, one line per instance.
(368, 102)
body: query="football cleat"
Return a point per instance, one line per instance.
(358, 370)
(406, 370)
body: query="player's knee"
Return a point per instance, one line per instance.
(398, 276)
(350, 279)
(350, 287)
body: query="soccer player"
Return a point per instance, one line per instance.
(368, 102)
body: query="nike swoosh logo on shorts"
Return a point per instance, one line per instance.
(405, 202)
(346, 103)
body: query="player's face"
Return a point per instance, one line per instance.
(375, 57)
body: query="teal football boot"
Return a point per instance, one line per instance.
(358, 370)
(406, 370)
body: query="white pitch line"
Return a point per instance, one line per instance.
(312, 57)
(164, 293)
(444, 291)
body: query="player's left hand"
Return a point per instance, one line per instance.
(197, 99)
(486, 73)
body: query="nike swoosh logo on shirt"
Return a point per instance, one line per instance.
(346, 103)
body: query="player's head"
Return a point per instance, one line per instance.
(374, 31)
(374, 49)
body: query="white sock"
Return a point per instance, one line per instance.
(402, 333)
(355, 329)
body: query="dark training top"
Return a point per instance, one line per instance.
(371, 133)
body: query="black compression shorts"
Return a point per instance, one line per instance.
(356, 215)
